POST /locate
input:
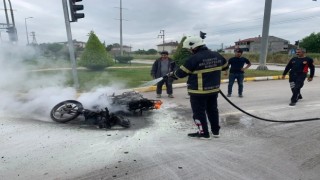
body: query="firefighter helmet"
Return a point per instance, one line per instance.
(192, 42)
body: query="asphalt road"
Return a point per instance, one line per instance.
(157, 146)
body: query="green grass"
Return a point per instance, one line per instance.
(130, 77)
(137, 56)
(259, 73)
(131, 65)
(127, 77)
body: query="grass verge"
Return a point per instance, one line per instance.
(126, 76)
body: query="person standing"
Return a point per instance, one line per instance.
(203, 69)
(237, 71)
(298, 70)
(161, 67)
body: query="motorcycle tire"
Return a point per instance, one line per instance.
(66, 111)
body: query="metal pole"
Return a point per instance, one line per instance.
(70, 44)
(11, 11)
(121, 49)
(13, 22)
(163, 41)
(25, 22)
(265, 36)
(162, 36)
(6, 12)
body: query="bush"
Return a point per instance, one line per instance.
(95, 56)
(124, 59)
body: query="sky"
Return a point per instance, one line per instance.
(224, 21)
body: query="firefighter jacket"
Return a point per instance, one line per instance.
(203, 69)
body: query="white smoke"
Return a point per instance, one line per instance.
(101, 97)
(23, 94)
(29, 95)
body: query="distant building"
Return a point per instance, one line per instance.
(79, 44)
(275, 44)
(76, 44)
(230, 49)
(116, 50)
(171, 47)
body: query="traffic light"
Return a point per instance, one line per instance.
(203, 35)
(73, 10)
(296, 43)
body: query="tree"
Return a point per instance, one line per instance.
(95, 56)
(109, 47)
(152, 51)
(54, 48)
(220, 50)
(182, 54)
(311, 43)
(139, 51)
(124, 59)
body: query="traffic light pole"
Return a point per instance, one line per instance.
(70, 44)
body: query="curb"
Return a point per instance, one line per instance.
(264, 78)
(180, 85)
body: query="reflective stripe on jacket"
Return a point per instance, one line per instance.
(204, 71)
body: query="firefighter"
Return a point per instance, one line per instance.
(298, 67)
(203, 69)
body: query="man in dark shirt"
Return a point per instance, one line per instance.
(298, 67)
(161, 67)
(237, 71)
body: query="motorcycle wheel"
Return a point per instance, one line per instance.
(66, 111)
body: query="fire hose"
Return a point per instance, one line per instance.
(264, 119)
(260, 118)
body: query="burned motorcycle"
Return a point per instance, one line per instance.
(132, 101)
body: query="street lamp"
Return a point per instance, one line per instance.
(25, 21)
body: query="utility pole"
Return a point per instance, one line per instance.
(27, 33)
(265, 36)
(34, 40)
(121, 19)
(121, 48)
(161, 35)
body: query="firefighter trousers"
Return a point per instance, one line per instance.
(205, 106)
(296, 83)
